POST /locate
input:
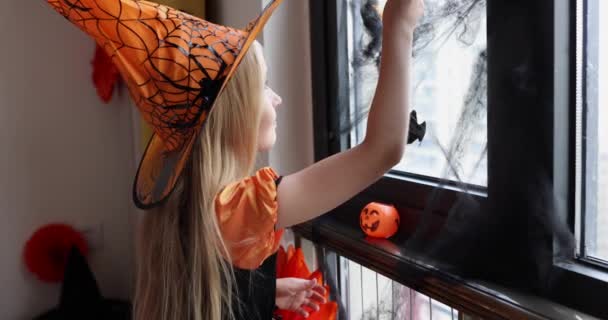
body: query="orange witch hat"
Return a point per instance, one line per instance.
(175, 66)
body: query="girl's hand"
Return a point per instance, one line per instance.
(294, 294)
(402, 13)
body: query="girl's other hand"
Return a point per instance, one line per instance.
(293, 294)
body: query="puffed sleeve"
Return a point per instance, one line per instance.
(247, 215)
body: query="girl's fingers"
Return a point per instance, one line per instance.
(319, 289)
(312, 305)
(317, 297)
(302, 312)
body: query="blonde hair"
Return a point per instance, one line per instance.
(183, 268)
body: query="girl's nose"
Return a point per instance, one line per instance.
(276, 99)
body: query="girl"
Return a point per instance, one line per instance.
(208, 240)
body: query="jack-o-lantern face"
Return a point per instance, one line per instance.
(379, 220)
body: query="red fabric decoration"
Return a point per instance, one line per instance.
(105, 74)
(46, 252)
(291, 264)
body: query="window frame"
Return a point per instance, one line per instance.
(578, 284)
(583, 279)
(588, 107)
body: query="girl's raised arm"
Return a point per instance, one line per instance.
(325, 185)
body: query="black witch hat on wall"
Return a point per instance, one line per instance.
(56, 253)
(81, 298)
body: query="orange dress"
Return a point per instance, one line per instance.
(247, 216)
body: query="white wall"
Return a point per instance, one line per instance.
(66, 156)
(234, 13)
(287, 51)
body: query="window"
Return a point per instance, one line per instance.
(592, 130)
(448, 76)
(529, 201)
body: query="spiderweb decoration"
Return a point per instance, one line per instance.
(174, 63)
(444, 21)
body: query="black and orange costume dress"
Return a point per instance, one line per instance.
(247, 214)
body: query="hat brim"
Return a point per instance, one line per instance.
(160, 169)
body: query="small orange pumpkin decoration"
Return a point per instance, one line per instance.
(379, 220)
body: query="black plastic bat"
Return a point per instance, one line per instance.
(417, 130)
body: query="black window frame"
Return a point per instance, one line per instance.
(512, 24)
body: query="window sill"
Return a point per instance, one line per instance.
(485, 300)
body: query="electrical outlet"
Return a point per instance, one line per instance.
(93, 235)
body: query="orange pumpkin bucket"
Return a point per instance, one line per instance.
(379, 220)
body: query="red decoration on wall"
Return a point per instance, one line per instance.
(46, 252)
(105, 74)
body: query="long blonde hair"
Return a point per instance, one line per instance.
(183, 268)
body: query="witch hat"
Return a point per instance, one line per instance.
(81, 298)
(175, 66)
